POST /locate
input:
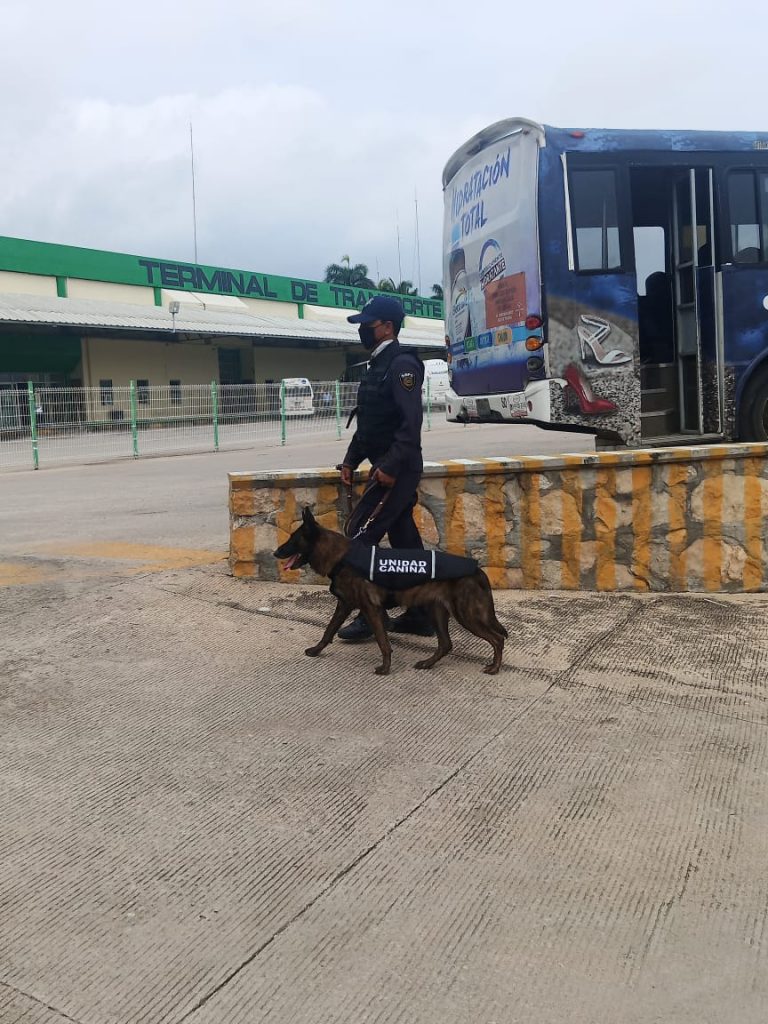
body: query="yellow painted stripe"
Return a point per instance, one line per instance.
(495, 530)
(678, 535)
(418, 518)
(713, 525)
(530, 530)
(573, 502)
(171, 558)
(606, 515)
(16, 574)
(753, 523)
(642, 517)
(455, 525)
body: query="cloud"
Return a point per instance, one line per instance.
(286, 180)
(315, 124)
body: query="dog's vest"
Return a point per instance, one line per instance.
(399, 568)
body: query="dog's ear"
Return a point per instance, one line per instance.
(309, 520)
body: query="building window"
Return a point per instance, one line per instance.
(106, 392)
(595, 219)
(142, 392)
(748, 209)
(175, 391)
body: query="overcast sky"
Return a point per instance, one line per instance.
(316, 122)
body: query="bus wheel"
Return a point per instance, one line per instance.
(753, 417)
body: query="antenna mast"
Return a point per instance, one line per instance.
(418, 250)
(194, 200)
(399, 263)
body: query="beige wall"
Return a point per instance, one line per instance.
(423, 325)
(274, 364)
(27, 284)
(160, 361)
(103, 291)
(203, 300)
(326, 313)
(265, 307)
(233, 303)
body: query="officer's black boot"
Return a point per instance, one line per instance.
(416, 621)
(358, 629)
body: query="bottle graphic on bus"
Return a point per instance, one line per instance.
(461, 323)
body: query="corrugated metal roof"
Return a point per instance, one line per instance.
(56, 312)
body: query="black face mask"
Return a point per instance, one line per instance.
(367, 334)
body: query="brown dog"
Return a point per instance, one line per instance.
(469, 598)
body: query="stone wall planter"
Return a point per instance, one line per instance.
(668, 519)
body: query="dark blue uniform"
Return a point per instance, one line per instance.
(388, 434)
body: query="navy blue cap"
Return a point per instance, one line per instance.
(380, 307)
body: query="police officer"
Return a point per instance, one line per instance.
(388, 434)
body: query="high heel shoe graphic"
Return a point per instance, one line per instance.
(580, 391)
(592, 331)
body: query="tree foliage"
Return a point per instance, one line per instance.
(387, 284)
(346, 273)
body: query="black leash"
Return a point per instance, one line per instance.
(351, 508)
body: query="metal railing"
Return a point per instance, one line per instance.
(42, 425)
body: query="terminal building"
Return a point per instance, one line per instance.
(90, 318)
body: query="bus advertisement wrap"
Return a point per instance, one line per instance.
(491, 267)
(611, 281)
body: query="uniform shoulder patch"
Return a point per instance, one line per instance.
(407, 379)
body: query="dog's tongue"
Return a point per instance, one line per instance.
(291, 562)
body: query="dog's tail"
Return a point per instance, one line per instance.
(486, 584)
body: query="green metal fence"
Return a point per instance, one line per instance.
(43, 426)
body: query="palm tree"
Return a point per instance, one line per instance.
(437, 291)
(386, 284)
(344, 273)
(406, 288)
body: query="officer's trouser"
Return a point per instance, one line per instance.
(395, 519)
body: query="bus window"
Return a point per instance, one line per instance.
(650, 253)
(595, 219)
(748, 226)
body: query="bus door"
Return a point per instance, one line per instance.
(695, 297)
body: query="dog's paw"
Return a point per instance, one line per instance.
(312, 652)
(382, 670)
(491, 670)
(427, 663)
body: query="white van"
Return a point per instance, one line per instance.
(436, 372)
(299, 397)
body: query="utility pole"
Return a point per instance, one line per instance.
(194, 200)
(399, 263)
(418, 251)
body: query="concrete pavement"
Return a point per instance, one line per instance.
(200, 824)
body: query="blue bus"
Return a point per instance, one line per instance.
(610, 282)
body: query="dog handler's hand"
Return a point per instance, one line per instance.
(346, 475)
(383, 478)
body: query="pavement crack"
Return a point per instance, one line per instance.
(39, 1002)
(565, 675)
(347, 869)
(614, 629)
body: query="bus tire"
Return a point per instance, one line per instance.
(753, 415)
